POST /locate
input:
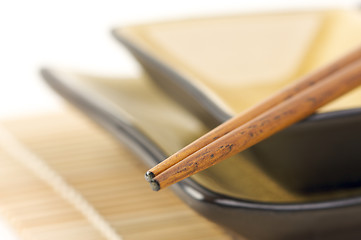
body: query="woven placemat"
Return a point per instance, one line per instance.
(62, 177)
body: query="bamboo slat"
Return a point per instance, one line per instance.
(96, 166)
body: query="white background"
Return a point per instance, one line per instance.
(75, 33)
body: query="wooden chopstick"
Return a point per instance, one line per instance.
(282, 95)
(264, 125)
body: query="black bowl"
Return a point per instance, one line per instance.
(320, 153)
(252, 214)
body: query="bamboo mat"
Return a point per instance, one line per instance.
(62, 177)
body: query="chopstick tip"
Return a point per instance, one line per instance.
(154, 184)
(149, 176)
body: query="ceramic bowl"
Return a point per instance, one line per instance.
(236, 194)
(219, 66)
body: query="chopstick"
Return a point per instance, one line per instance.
(264, 125)
(282, 95)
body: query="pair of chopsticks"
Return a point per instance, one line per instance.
(286, 107)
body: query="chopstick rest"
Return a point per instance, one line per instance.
(290, 105)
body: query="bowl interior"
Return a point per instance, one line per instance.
(240, 60)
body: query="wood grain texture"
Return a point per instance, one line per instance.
(103, 171)
(284, 94)
(268, 123)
